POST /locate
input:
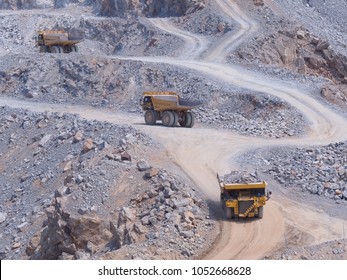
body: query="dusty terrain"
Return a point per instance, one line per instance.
(82, 177)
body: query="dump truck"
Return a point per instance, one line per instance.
(58, 41)
(168, 107)
(242, 199)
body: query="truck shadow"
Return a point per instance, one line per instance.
(215, 211)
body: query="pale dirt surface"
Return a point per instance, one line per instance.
(202, 152)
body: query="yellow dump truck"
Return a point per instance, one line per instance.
(58, 41)
(243, 200)
(168, 107)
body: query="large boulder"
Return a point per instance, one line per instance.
(64, 234)
(286, 48)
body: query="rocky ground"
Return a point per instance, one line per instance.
(77, 176)
(99, 81)
(310, 49)
(313, 175)
(333, 250)
(74, 177)
(315, 170)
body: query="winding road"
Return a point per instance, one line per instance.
(207, 151)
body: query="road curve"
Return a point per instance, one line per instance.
(206, 152)
(246, 27)
(194, 44)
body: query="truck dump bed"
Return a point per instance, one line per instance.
(171, 101)
(259, 185)
(59, 37)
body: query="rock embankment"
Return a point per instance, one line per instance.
(318, 170)
(44, 152)
(86, 183)
(247, 114)
(166, 220)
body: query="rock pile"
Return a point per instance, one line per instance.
(241, 177)
(98, 196)
(260, 115)
(321, 171)
(165, 217)
(45, 153)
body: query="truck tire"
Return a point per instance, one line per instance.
(74, 49)
(192, 119)
(175, 118)
(54, 49)
(150, 117)
(186, 120)
(229, 213)
(168, 118)
(260, 212)
(61, 49)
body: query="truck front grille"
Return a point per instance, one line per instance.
(244, 206)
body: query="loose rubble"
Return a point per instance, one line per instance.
(256, 116)
(314, 170)
(321, 171)
(67, 174)
(334, 250)
(166, 215)
(241, 177)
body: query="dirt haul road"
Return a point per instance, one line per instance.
(207, 151)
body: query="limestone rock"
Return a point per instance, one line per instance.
(286, 47)
(78, 137)
(88, 145)
(143, 165)
(151, 173)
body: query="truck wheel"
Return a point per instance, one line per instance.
(168, 118)
(186, 120)
(229, 213)
(175, 119)
(150, 117)
(61, 49)
(54, 49)
(74, 49)
(260, 212)
(192, 119)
